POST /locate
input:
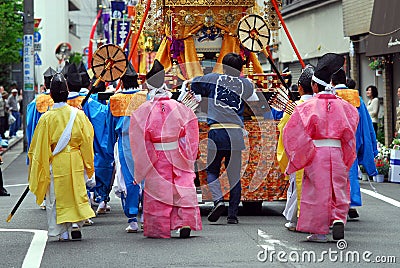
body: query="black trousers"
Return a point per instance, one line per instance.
(376, 129)
(3, 126)
(1, 180)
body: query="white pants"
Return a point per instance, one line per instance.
(54, 228)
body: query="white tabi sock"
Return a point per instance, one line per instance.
(102, 204)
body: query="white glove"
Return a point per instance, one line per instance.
(185, 85)
(91, 182)
(117, 192)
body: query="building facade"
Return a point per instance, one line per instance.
(316, 28)
(62, 21)
(373, 27)
(361, 31)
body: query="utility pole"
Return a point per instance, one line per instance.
(28, 63)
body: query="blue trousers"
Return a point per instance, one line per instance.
(103, 183)
(15, 126)
(233, 166)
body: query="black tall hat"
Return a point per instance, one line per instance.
(306, 76)
(101, 87)
(329, 64)
(48, 75)
(155, 77)
(58, 84)
(64, 70)
(130, 78)
(81, 67)
(85, 79)
(73, 78)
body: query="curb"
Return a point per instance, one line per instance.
(11, 145)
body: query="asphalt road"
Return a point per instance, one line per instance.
(259, 240)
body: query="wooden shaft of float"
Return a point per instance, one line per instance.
(128, 37)
(91, 36)
(275, 4)
(268, 56)
(271, 62)
(136, 37)
(108, 66)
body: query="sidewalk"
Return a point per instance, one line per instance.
(12, 142)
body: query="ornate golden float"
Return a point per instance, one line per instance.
(191, 37)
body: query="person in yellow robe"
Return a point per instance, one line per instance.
(60, 152)
(292, 208)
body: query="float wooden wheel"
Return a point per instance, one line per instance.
(109, 63)
(253, 33)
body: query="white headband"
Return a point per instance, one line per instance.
(162, 91)
(319, 81)
(164, 86)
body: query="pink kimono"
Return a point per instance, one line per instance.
(320, 137)
(164, 136)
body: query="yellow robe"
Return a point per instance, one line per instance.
(283, 160)
(68, 166)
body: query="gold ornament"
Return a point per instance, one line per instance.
(209, 20)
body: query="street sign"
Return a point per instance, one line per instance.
(37, 37)
(38, 61)
(28, 64)
(86, 51)
(28, 40)
(37, 46)
(37, 22)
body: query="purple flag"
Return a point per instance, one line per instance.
(106, 21)
(120, 31)
(116, 9)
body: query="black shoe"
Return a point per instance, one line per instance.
(232, 220)
(76, 233)
(216, 212)
(4, 192)
(338, 230)
(353, 214)
(184, 232)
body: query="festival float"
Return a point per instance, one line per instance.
(190, 38)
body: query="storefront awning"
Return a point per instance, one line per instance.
(384, 37)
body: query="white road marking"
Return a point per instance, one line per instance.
(16, 185)
(381, 197)
(34, 255)
(267, 242)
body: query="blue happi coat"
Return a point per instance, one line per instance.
(366, 147)
(119, 132)
(103, 158)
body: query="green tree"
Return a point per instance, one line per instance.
(11, 32)
(75, 57)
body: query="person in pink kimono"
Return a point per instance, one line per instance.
(164, 137)
(320, 137)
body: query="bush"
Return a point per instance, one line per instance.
(395, 144)
(382, 165)
(377, 63)
(382, 159)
